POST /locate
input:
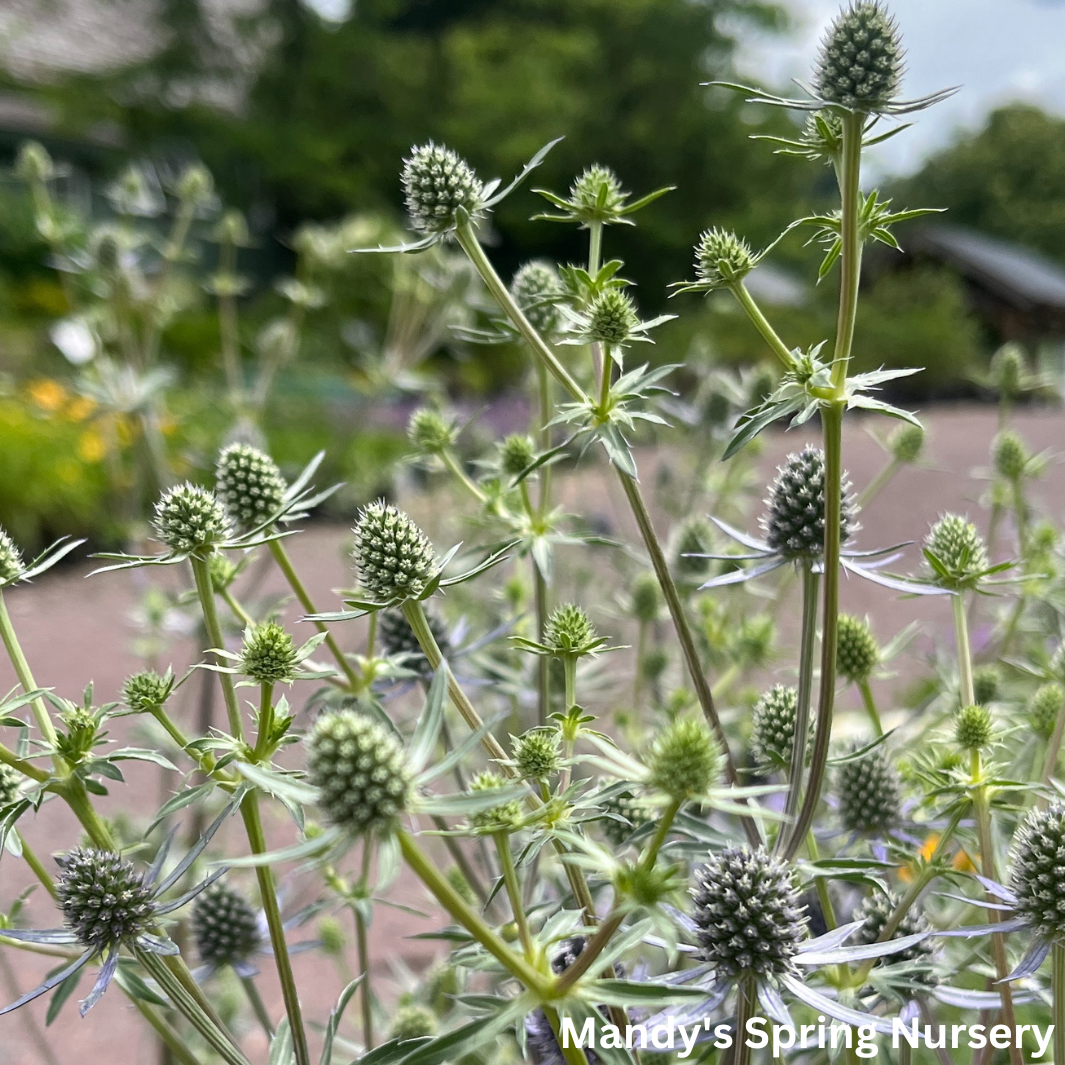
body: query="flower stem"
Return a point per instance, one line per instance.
(684, 633)
(870, 706)
(257, 1005)
(204, 589)
(761, 323)
(851, 252)
(449, 898)
(266, 722)
(447, 456)
(25, 675)
(746, 997)
(253, 825)
(510, 881)
(832, 426)
(38, 869)
(362, 948)
(878, 483)
(571, 1055)
(810, 589)
(965, 658)
(543, 663)
(1058, 1005)
(284, 563)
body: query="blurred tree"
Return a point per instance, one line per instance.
(1007, 179)
(329, 109)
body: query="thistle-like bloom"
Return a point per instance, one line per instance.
(957, 554)
(394, 558)
(685, 760)
(437, 183)
(13, 568)
(428, 432)
(773, 726)
(516, 454)
(869, 793)
(10, 781)
(398, 639)
(1038, 877)
(1009, 455)
(502, 817)
(226, 930)
(412, 1022)
(857, 652)
(569, 633)
(986, 682)
(906, 443)
(250, 485)
(268, 655)
(748, 914)
(11, 564)
(147, 692)
(721, 259)
(860, 65)
(597, 198)
(1044, 708)
(973, 728)
(629, 812)
(536, 754)
(795, 522)
(875, 912)
(610, 320)
(537, 289)
(360, 770)
(191, 520)
(645, 597)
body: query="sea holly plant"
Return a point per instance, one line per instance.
(733, 820)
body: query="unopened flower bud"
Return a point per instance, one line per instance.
(684, 760)
(436, 183)
(412, 1022)
(1009, 455)
(973, 728)
(224, 926)
(722, 258)
(505, 817)
(394, 558)
(536, 754)
(773, 726)
(268, 655)
(190, 519)
(537, 290)
(860, 65)
(611, 317)
(569, 631)
(870, 793)
(428, 432)
(857, 652)
(146, 692)
(516, 454)
(986, 681)
(249, 485)
(960, 550)
(11, 564)
(1045, 707)
(646, 597)
(906, 443)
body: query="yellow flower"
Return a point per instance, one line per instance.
(91, 447)
(47, 393)
(80, 408)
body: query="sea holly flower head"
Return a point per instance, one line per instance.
(1045, 707)
(596, 198)
(569, 633)
(394, 558)
(773, 726)
(536, 754)
(857, 652)
(875, 911)
(538, 290)
(429, 433)
(869, 792)
(860, 65)
(973, 728)
(147, 691)
(225, 929)
(957, 555)
(249, 485)
(504, 816)
(11, 564)
(685, 760)
(191, 520)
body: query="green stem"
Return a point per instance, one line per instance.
(1058, 1005)
(471, 246)
(238, 611)
(257, 1005)
(362, 948)
(878, 483)
(205, 590)
(510, 881)
(25, 676)
(851, 252)
(832, 425)
(449, 898)
(661, 833)
(683, 630)
(253, 826)
(266, 722)
(186, 1004)
(571, 1055)
(27, 769)
(746, 998)
(38, 869)
(447, 456)
(870, 706)
(761, 323)
(543, 663)
(965, 658)
(171, 1038)
(595, 247)
(285, 565)
(811, 584)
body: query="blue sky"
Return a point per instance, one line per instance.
(995, 50)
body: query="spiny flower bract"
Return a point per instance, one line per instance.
(394, 558)
(11, 563)
(795, 522)
(747, 910)
(722, 258)
(249, 484)
(611, 317)
(1038, 876)
(869, 793)
(360, 770)
(225, 928)
(189, 519)
(146, 691)
(860, 65)
(103, 897)
(569, 631)
(436, 183)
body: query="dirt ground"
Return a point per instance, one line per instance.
(74, 630)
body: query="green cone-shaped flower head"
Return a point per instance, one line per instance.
(869, 792)
(906, 443)
(436, 183)
(537, 289)
(633, 808)
(694, 537)
(1009, 368)
(1038, 877)
(394, 557)
(598, 192)
(773, 726)
(360, 769)
(516, 454)
(249, 484)
(412, 1022)
(1009, 455)
(224, 926)
(268, 655)
(986, 682)
(504, 817)
(1044, 708)
(685, 759)
(722, 258)
(397, 638)
(973, 728)
(612, 317)
(960, 550)
(875, 912)
(10, 779)
(795, 523)
(860, 65)
(536, 754)
(103, 897)
(857, 652)
(748, 913)
(646, 597)
(190, 519)
(428, 432)
(569, 631)
(146, 691)
(11, 564)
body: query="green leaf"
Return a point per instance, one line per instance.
(281, 1049)
(141, 754)
(280, 785)
(427, 731)
(60, 996)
